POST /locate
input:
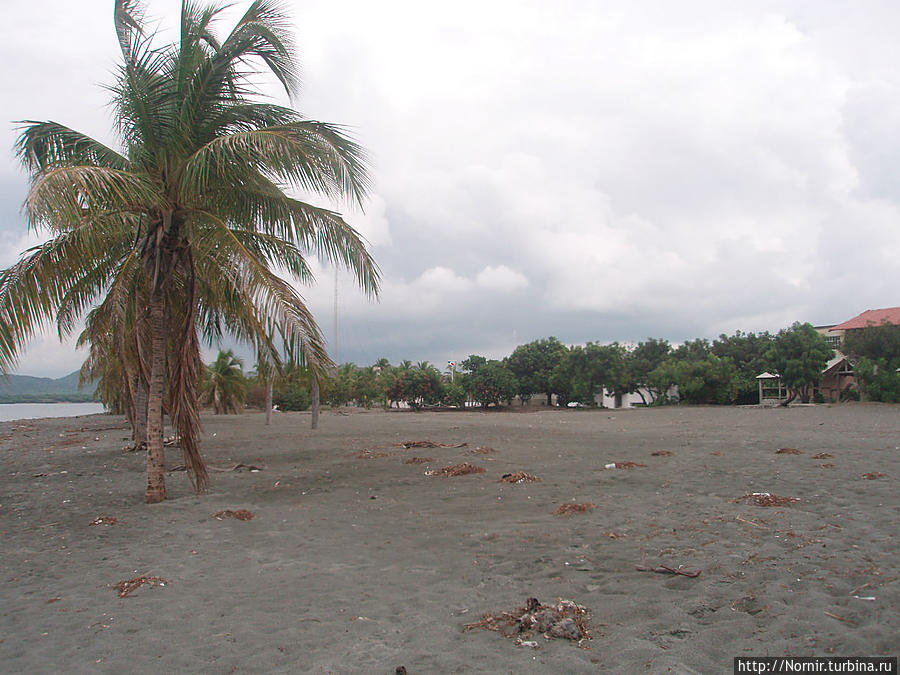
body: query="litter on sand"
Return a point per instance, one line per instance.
(518, 478)
(623, 465)
(428, 444)
(129, 586)
(240, 514)
(765, 499)
(105, 520)
(569, 509)
(457, 470)
(565, 620)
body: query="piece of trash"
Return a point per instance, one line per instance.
(239, 514)
(518, 478)
(457, 470)
(565, 620)
(57, 599)
(104, 520)
(528, 643)
(765, 499)
(569, 509)
(864, 597)
(127, 587)
(624, 465)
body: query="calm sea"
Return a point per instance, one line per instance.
(21, 411)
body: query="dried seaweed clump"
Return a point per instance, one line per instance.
(240, 514)
(873, 475)
(457, 470)
(662, 453)
(105, 520)
(419, 460)
(823, 455)
(765, 499)
(826, 465)
(427, 444)
(481, 450)
(569, 509)
(565, 620)
(518, 478)
(374, 454)
(628, 465)
(127, 587)
(789, 451)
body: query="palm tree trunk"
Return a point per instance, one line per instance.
(315, 402)
(140, 414)
(269, 387)
(156, 463)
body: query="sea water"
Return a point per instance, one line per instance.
(29, 411)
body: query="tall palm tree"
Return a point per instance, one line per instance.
(194, 208)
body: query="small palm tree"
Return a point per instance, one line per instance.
(193, 209)
(225, 387)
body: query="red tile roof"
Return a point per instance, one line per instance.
(873, 317)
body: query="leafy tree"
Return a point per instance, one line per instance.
(454, 394)
(874, 343)
(193, 210)
(492, 383)
(473, 363)
(879, 380)
(584, 371)
(712, 380)
(747, 351)
(640, 362)
(799, 354)
(224, 387)
(533, 365)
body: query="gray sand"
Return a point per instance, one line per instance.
(357, 563)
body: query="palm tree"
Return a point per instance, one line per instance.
(194, 209)
(225, 386)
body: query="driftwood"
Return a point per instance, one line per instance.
(665, 569)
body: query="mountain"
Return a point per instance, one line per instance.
(27, 389)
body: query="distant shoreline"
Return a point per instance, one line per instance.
(49, 398)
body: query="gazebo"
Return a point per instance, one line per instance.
(770, 388)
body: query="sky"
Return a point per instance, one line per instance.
(591, 171)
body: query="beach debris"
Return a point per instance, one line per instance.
(57, 599)
(826, 465)
(170, 442)
(105, 520)
(841, 618)
(129, 586)
(518, 478)
(623, 465)
(481, 450)
(662, 453)
(665, 569)
(419, 460)
(823, 455)
(566, 620)
(872, 475)
(789, 451)
(569, 509)
(765, 499)
(428, 444)
(239, 514)
(457, 470)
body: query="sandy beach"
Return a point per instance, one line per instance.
(356, 561)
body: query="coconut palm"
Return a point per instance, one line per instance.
(193, 209)
(225, 387)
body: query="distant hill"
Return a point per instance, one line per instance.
(27, 389)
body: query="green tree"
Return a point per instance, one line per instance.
(799, 354)
(874, 343)
(533, 365)
(711, 380)
(640, 362)
(225, 387)
(747, 352)
(194, 204)
(492, 383)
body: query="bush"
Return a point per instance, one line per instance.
(292, 399)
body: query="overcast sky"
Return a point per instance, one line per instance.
(594, 171)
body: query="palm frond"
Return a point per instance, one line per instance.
(42, 146)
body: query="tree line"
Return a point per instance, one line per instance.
(722, 371)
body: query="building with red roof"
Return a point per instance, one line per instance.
(871, 317)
